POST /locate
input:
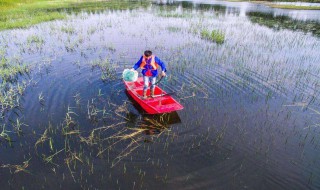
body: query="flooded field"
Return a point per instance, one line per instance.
(251, 100)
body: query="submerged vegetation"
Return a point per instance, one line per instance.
(17, 14)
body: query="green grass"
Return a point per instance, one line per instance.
(294, 7)
(214, 36)
(21, 14)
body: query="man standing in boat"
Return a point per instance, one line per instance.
(149, 65)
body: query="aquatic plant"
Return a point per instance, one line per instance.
(108, 69)
(77, 99)
(11, 87)
(69, 124)
(35, 39)
(4, 134)
(68, 29)
(214, 35)
(173, 29)
(175, 15)
(10, 70)
(17, 168)
(44, 137)
(18, 126)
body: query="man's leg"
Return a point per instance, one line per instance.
(153, 86)
(145, 86)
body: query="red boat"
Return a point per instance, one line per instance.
(160, 103)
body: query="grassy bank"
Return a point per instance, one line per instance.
(20, 14)
(293, 7)
(274, 5)
(288, 6)
(272, 1)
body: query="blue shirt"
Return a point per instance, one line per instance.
(149, 67)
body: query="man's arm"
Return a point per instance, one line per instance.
(137, 65)
(162, 64)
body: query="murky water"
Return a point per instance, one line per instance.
(251, 117)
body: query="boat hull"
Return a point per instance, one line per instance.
(160, 103)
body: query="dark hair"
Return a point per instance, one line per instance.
(147, 53)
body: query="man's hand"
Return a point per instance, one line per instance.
(163, 73)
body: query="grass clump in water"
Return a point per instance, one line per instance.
(11, 88)
(4, 135)
(175, 15)
(214, 36)
(173, 29)
(9, 72)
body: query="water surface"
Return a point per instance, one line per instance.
(250, 120)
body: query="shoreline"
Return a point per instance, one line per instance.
(273, 4)
(22, 15)
(286, 6)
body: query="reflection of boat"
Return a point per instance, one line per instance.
(164, 119)
(155, 124)
(160, 103)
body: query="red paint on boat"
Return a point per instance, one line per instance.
(161, 103)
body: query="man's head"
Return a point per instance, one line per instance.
(147, 53)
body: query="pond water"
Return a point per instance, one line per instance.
(251, 104)
(299, 4)
(242, 8)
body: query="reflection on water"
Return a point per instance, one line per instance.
(299, 4)
(306, 21)
(151, 124)
(284, 22)
(155, 124)
(243, 8)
